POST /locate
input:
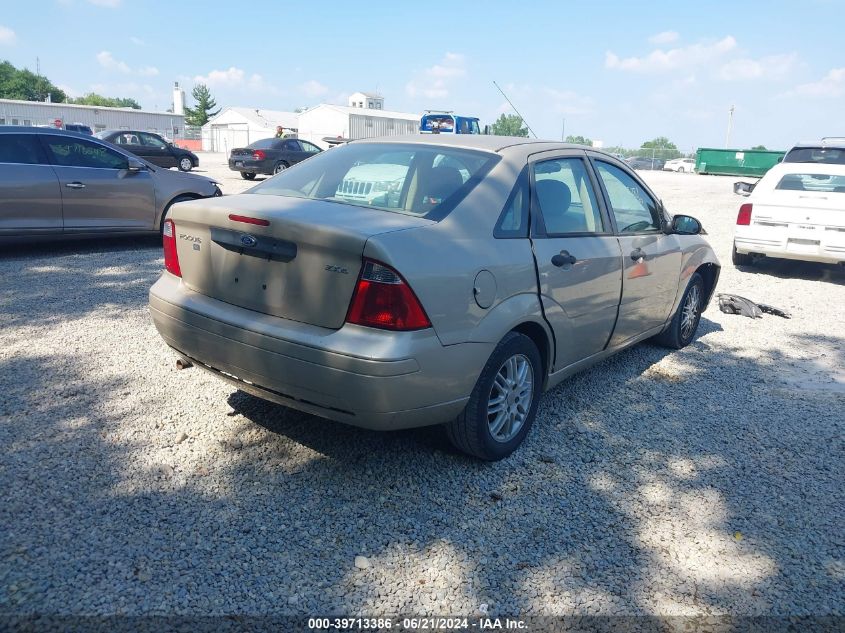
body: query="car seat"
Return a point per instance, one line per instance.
(555, 199)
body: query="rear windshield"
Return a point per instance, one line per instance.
(827, 155)
(421, 180)
(812, 182)
(265, 143)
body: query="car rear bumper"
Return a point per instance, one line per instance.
(822, 246)
(357, 375)
(253, 166)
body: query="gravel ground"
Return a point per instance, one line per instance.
(703, 481)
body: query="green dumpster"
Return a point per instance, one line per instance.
(736, 162)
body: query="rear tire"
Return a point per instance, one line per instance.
(280, 167)
(682, 329)
(185, 164)
(248, 175)
(740, 259)
(503, 403)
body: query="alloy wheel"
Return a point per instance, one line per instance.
(510, 398)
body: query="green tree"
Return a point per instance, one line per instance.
(662, 148)
(204, 109)
(508, 125)
(93, 99)
(760, 147)
(579, 140)
(25, 85)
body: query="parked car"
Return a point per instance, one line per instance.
(795, 211)
(56, 184)
(420, 306)
(642, 162)
(680, 165)
(829, 151)
(151, 147)
(270, 156)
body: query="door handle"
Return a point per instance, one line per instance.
(638, 254)
(74, 185)
(563, 259)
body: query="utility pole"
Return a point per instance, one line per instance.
(37, 66)
(563, 131)
(730, 125)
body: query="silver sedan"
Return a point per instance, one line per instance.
(411, 281)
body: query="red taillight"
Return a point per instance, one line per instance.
(743, 218)
(258, 154)
(171, 257)
(384, 300)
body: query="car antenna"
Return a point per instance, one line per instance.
(514, 108)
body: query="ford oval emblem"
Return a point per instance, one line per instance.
(248, 240)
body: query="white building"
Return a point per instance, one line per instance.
(326, 120)
(370, 100)
(13, 112)
(238, 127)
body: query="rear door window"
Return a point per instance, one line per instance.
(21, 149)
(565, 197)
(74, 152)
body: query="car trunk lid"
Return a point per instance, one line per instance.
(300, 262)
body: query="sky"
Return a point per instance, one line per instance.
(619, 72)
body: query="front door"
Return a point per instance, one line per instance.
(578, 257)
(157, 151)
(30, 201)
(651, 258)
(98, 191)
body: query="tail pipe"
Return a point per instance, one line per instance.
(183, 363)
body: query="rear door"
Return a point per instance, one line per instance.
(30, 200)
(157, 151)
(292, 151)
(578, 258)
(652, 259)
(98, 192)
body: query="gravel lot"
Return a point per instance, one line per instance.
(704, 481)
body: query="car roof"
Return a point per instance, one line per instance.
(24, 129)
(483, 142)
(107, 132)
(837, 142)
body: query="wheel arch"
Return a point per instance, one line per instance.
(540, 338)
(182, 197)
(709, 272)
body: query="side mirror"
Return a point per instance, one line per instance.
(685, 225)
(134, 166)
(743, 188)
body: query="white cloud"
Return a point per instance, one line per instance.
(312, 88)
(107, 61)
(567, 101)
(7, 36)
(109, 4)
(771, 67)
(831, 85)
(673, 59)
(231, 77)
(436, 81)
(137, 41)
(148, 71)
(666, 37)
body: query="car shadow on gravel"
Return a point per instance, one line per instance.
(656, 482)
(791, 269)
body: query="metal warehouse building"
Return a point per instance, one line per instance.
(354, 123)
(98, 118)
(238, 127)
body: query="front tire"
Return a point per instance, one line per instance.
(248, 175)
(185, 164)
(503, 403)
(740, 259)
(685, 322)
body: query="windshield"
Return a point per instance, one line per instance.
(827, 155)
(825, 183)
(414, 179)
